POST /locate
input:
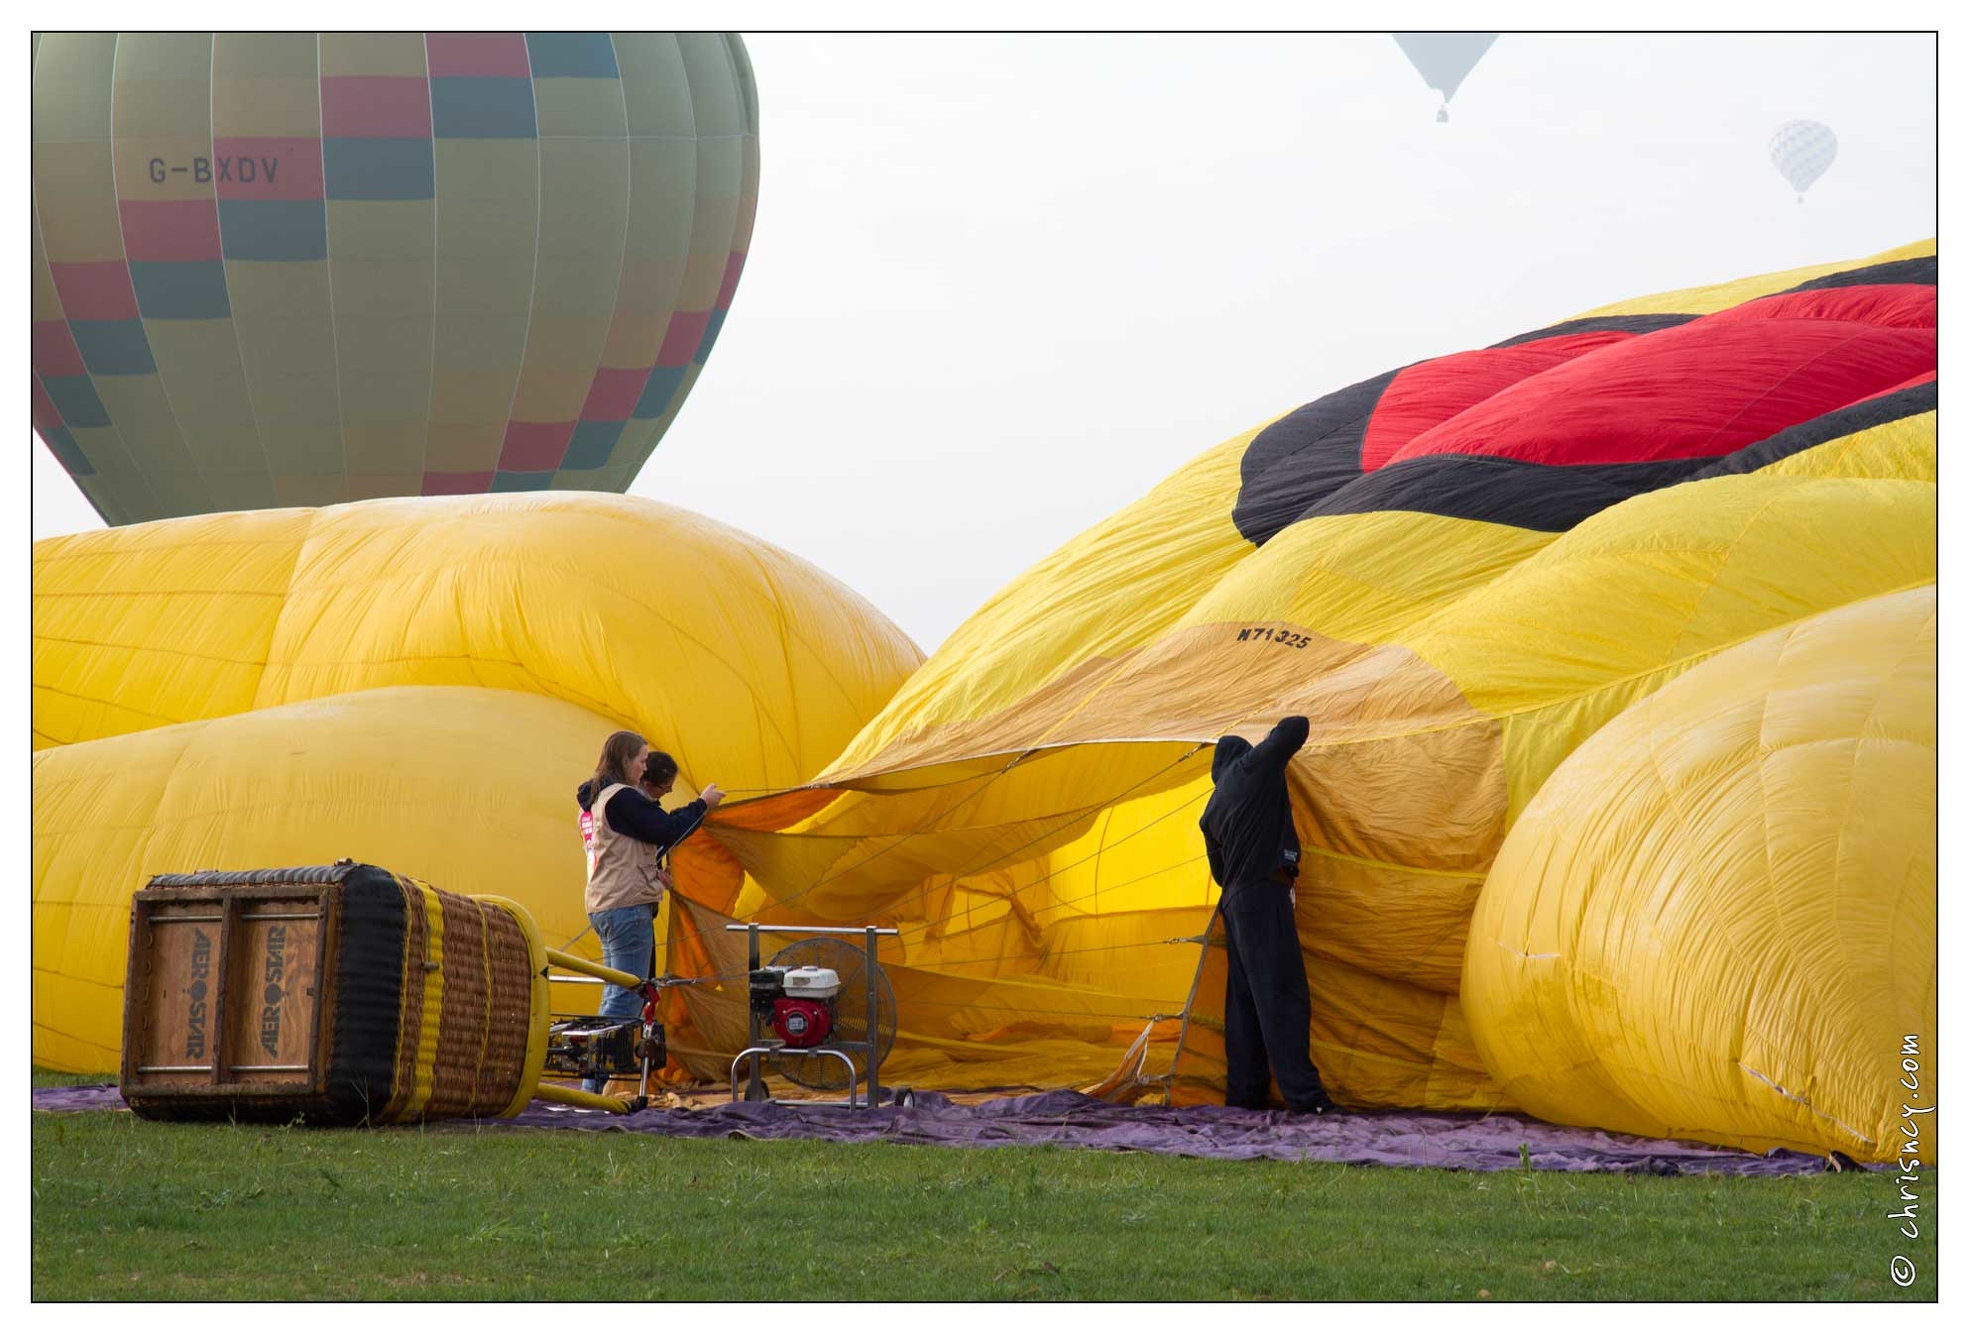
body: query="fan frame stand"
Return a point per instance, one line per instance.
(757, 1047)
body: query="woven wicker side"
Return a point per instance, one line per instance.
(464, 1007)
(485, 1017)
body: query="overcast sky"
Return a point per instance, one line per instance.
(1002, 285)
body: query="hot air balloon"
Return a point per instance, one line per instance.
(276, 269)
(1460, 571)
(1766, 822)
(1444, 59)
(1802, 151)
(417, 682)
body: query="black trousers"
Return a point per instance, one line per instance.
(1268, 1012)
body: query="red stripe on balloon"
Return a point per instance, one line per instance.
(53, 349)
(1702, 390)
(680, 340)
(170, 229)
(477, 54)
(456, 483)
(534, 446)
(1881, 305)
(267, 168)
(97, 290)
(47, 416)
(1426, 395)
(614, 394)
(733, 264)
(376, 106)
(1926, 377)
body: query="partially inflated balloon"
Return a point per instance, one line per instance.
(418, 683)
(279, 269)
(1802, 151)
(1459, 571)
(406, 777)
(1717, 918)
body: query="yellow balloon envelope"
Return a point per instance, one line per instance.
(1717, 918)
(414, 683)
(1460, 571)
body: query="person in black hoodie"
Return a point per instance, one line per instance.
(1254, 857)
(627, 836)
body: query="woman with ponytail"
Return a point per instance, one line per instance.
(627, 838)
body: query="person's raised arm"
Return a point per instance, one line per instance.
(634, 815)
(1271, 755)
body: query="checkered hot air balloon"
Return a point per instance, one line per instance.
(1802, 150)
(277, 269)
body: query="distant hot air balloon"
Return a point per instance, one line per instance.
(289, 269)
(1444, 59)
(1802, 150)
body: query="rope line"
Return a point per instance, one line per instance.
(738, 973)
(996, 856)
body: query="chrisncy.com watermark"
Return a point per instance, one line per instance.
(1901, 1268)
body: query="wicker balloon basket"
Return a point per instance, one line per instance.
(335, 995)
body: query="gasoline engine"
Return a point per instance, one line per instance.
(820, 1014)
(797, 1004)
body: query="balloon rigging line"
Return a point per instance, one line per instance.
(736, 973)
(920, 828)
(1094, 856)
(1182, 759)
(1179, 760)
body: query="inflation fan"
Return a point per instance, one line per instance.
(821, 1014)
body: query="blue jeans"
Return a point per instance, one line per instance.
(628, 937)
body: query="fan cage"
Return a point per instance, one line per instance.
(825, 1074)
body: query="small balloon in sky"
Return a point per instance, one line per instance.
(1802, 150)
(1444, 59)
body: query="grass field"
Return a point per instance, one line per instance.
(127, 1209)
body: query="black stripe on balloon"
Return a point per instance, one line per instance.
(1544, 497)
(1912, 272)
(1303, 457)
(1830, 426)
(1634, 324)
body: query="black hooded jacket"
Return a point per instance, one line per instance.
(1247, 823)
(633, 814)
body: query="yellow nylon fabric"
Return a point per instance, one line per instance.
(1406, 788)
(419, 684)
(745, 658)
(154, 624)
(1716, 920)
(1026, 806)
(392, 777)
(1023, 808)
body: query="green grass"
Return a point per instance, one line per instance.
(59, 1079)
(128, 1209)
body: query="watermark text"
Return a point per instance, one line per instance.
(1910, 1129)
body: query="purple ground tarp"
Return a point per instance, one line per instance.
(1387, 1139)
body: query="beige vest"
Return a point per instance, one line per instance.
(622, 871)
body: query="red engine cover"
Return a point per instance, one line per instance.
(802, 1023)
